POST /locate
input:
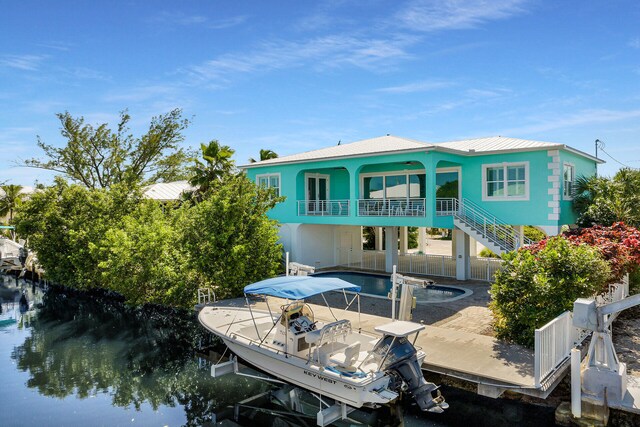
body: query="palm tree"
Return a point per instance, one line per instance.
(10, 199)
(600, 200)
(265, 155)
(217, 164)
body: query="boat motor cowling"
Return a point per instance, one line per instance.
(400, 359)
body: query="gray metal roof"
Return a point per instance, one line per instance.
(389, 144)
(167, 191)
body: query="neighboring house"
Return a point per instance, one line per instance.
(167, 191)
(484, 189)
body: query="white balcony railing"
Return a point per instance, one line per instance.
(323, 207)
(391, 207)
(446, 206)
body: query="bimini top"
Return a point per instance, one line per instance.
(298, 287)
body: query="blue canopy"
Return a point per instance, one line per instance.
(298, 287)
(7, 227)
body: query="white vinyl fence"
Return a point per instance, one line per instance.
(554, 341)
(415, 263)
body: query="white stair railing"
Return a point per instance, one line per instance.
(484, 222)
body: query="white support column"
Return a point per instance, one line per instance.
(454, 243)
(404, 240)
(391, 247)
(296, 243)
(520, 232)
(473, 246)
(378, 233)
(463, 265)
(422, 239)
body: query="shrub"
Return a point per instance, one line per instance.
(619, 245)
(533, 233)
(536, 285)
(229, 240)
(487, 253)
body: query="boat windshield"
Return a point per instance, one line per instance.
(295, 310)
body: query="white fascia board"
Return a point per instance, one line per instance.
(433, 148)
(350, 156)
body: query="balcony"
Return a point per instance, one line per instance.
(323, 207)
(413, 207)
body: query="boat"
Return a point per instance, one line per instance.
(331, 359)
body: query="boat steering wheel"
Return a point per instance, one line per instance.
(303, 324)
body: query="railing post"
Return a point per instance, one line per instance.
(576, 383)
(537, 359)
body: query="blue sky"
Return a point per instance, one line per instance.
(298, 75)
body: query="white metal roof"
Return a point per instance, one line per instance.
(389, 144)
(167, 191)
(496, 143)
(379, 145)
(26, 189)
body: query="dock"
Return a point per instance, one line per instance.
(492, 365)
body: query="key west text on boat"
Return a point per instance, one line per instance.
(330, 359)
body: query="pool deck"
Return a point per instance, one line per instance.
(454, 345)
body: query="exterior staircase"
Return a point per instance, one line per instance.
(484, 227)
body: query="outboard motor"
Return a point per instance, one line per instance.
(401, 363)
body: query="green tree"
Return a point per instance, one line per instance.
(100, 157)
(63, 221)
(265, 155)
(448, 190)
(535, 286)
(11, 198)
(217, 165)
(230, 240)
(140, 259)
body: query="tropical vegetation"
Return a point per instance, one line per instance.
(11, 198)
(96, 230)
(604, 201)
(536, 285)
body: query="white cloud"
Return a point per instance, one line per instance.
(435, 15)
(422, 86)
(142, 93)
(635, 43)
(181, 19)
(22, 62)
(585, 117)
(326, 52)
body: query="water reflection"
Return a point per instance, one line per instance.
(83, 348)
(73, 360)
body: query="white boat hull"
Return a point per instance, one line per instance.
(355, 392)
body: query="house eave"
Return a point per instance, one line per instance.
(426, 149)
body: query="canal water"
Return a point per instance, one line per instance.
(72, 360)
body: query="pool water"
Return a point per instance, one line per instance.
(380, 285)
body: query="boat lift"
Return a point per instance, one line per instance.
(603, 378)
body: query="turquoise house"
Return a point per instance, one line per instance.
(485, 190)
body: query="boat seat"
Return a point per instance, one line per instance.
(329, 332)
(348, 357)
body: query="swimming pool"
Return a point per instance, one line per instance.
(380, 285)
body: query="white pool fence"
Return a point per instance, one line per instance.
(418, 263)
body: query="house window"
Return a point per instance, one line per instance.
(506, 181)
(269, 181)
(568, 178)
(394, 186)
